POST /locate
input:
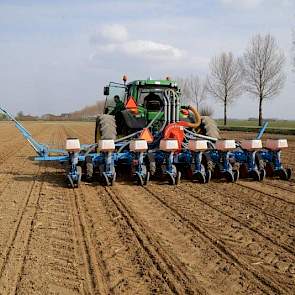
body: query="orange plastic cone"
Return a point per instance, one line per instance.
(146, 135)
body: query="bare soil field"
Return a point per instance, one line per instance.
(218, 238)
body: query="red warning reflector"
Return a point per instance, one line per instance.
(146, 135)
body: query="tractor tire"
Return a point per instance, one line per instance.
(105, 127)
(209, 127)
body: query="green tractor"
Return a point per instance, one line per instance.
(149, 109)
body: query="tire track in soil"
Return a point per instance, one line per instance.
(55, 263)
(266, 205)
(204, 265)
(16, 245)
(279, 233)
(15, 194)
(169, 268)
(57, 248)
(95, 270)
(281, 185)
(266, 190)
(13, 257)
(119, 261)
(266, 264)
(90, 260)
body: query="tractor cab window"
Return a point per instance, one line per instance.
(116, 97)
(151, 98)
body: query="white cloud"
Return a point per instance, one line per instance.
(114, 32)
(120, 44)
(242, 3)
(151, 48)
(145, 49)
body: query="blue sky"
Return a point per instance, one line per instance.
(56, 56)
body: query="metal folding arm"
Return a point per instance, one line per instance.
(41, 149)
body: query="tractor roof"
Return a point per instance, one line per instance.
(154, 82)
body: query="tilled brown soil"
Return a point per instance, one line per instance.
(217, 238)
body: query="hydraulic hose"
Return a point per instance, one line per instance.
(197, 118)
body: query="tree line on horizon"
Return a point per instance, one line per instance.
(86, 113)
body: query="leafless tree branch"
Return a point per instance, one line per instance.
(225, 79)
(193, 90)
(262, 65)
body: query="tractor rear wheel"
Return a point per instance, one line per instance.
(105, 127)
(209, 127)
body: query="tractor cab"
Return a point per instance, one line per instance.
(136, 104)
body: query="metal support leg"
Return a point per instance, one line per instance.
(227, 169)
(171, 171)
(140, 170)
(253, 169)
(109, 173)
(199, 172)
(75, 172)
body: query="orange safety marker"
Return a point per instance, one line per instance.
(131, 103)
(146, 135)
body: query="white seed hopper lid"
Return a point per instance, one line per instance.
(253, 144)
(73, 145)
(106, 145)
(138, 145)
(198, 145)
(169, 145)
(276, 144)
(225, 145)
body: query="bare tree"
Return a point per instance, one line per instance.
(193, 90)
(225, 79)
(263, 64)
(185, 90)
(197, 90)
